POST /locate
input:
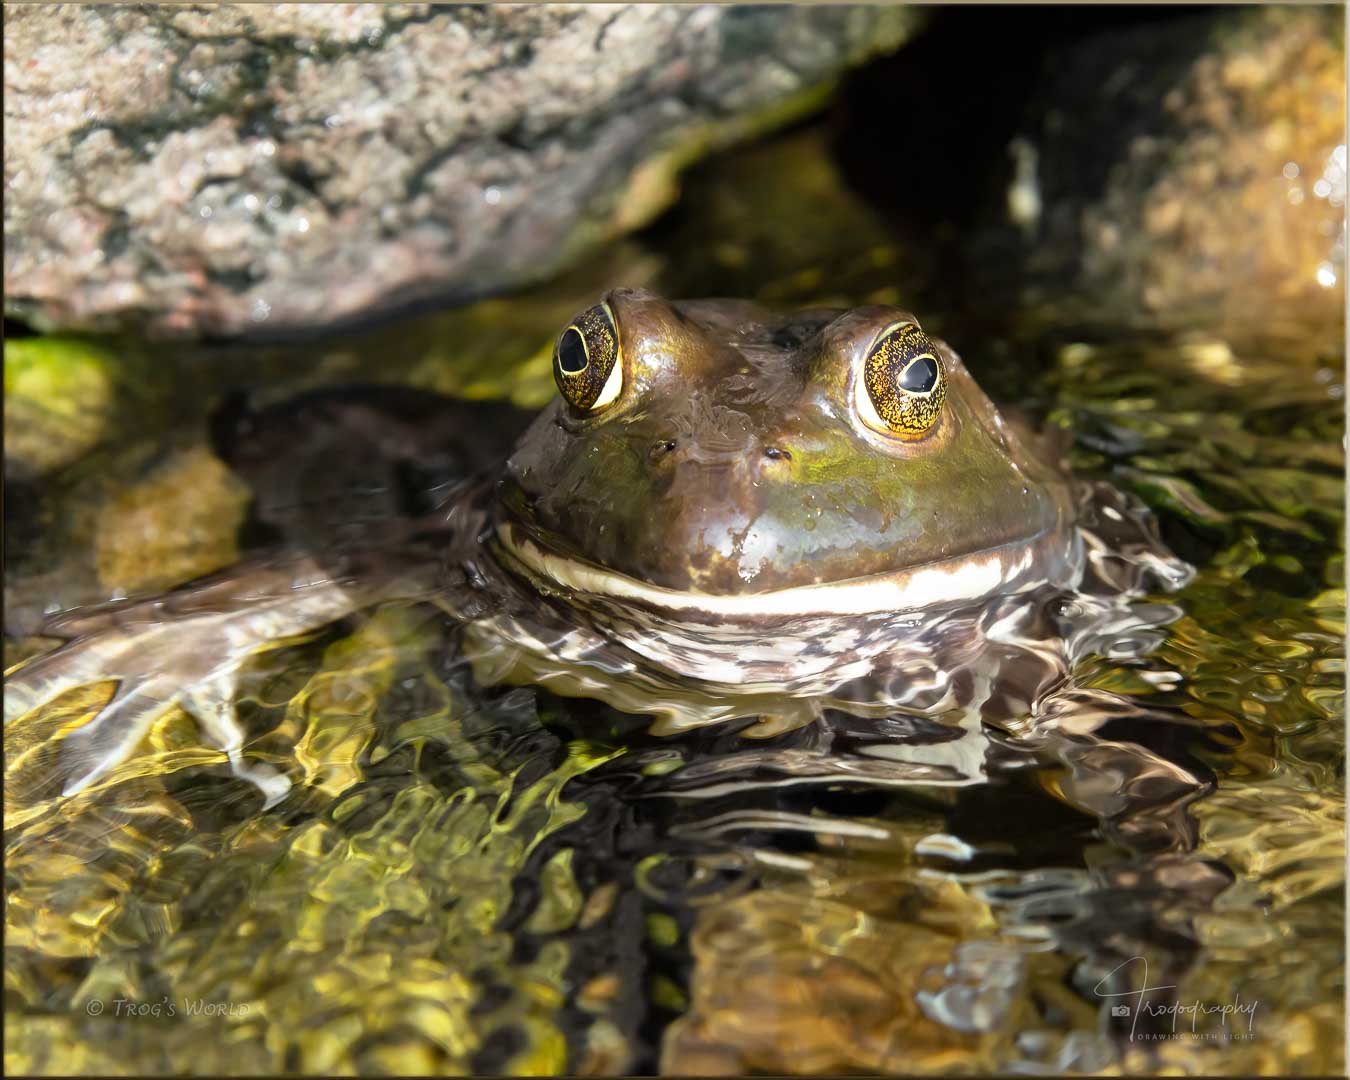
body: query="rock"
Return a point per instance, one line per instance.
(246, 170)
(1193, 170)
(178, 523)
(124, 522)
(785, 982)
(60, 401)
(1164, 167)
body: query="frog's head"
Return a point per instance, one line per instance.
(712, 455)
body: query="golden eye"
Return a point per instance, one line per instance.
(586, 362)
(903, 384)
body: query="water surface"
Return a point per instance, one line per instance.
(492, 878)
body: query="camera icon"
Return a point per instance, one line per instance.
(1120, 1010)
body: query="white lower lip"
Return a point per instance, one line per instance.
(966, 578)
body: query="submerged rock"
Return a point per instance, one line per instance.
(178, 522)
(273, 169)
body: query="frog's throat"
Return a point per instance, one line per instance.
(1056, 554)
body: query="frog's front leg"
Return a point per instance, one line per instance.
(185, 650)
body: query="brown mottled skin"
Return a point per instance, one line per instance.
(735, 459)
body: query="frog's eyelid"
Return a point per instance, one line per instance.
(613, 384)
(614, 380)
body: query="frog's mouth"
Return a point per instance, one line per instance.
(1053, 554)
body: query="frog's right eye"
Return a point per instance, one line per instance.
(903, 384)
(586, 363)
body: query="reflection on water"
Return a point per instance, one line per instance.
(473, 875)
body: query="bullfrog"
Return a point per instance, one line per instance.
(726, 513)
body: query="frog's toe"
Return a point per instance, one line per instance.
(211, 703)
(110, 738)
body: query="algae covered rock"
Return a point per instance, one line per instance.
(101, 501)
(60, 398)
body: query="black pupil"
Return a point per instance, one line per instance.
(571, 353)
(920, 377)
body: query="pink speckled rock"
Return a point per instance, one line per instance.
(275, 168)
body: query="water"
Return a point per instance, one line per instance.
(475, 875)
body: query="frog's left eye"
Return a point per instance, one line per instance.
(903, 384)
(586, 362)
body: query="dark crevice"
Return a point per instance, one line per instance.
(116, 237)
(599, 42)
(516, 138)
(417, 180)
(14, 329)
(298, 173)
(237, 281)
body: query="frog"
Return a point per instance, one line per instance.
(726, 514)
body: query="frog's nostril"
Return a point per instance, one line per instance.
(776, 454)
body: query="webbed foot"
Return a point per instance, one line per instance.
(186, 651)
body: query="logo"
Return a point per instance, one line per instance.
(124, 1007)
(1146, 1006)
